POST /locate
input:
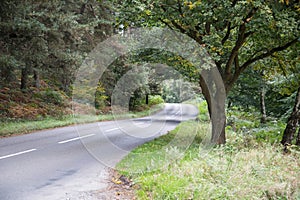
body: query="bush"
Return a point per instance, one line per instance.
(271, 132)
(154, 100)
(248, 123)
(51, 97)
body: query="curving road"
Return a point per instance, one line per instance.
(70, 162)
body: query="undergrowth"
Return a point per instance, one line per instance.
(248, 166)
(13, 127)
(248, 123)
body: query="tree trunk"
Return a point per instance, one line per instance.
(147, 99)
(24, 78)
(263, 112)
(214, 93)
(36, 77)
(298, 138)
(292, 123)
(66, 82)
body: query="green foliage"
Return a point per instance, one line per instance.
(203, 111)
(271, 133)
(50, 37)
(8, 64)
(171, 92)
(238, 35)
(217, 24)
(241, 169)
(100, 97)
(51, 97)
(247, 122)
(177, 91)
(155, 99)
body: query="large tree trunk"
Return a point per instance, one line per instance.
(292, 123)
(214, 93)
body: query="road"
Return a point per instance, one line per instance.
(70, 162)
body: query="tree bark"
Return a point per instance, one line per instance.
(24, 78)
(214, 93)
(36, 77)
(147, 99)
(263, 118)
(298, 138)
(293, 122)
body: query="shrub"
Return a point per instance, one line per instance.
(51, 97)
(154, 100)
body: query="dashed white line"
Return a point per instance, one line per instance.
(113, 129)
(73, 139)
(139, 123)
(16, 154)
(178, 112)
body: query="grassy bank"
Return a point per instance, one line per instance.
(247, 167)
(8, 128)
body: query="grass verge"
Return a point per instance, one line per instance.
(244, 168)
(9, 128)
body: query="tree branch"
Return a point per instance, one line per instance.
(166, 23)
(190, 33)
(236, 62)
(240, 41)
(242, 36)
(267, 54)
(176, 25)
(239, 70)
(207, 27)
(227, 33)
(180, 8)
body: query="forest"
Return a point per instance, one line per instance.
(254, 44)
(44, 43)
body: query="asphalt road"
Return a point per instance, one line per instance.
(69, 162)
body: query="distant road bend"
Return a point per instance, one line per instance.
(65, 163)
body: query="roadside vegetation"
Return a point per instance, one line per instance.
(26, 126)
(251, 165)
(46, 108)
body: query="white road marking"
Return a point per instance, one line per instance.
(178, 112)
(139, 123)
(113, 129)
(16, 154)
(73, 139)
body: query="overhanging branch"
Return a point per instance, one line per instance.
(267, 54)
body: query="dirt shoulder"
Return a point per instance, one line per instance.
(119, 187)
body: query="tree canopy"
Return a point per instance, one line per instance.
(236, 34)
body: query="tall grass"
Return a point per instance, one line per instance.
(244, 168)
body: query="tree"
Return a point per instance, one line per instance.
(293, 123)
(49, 38)
(236, 34)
